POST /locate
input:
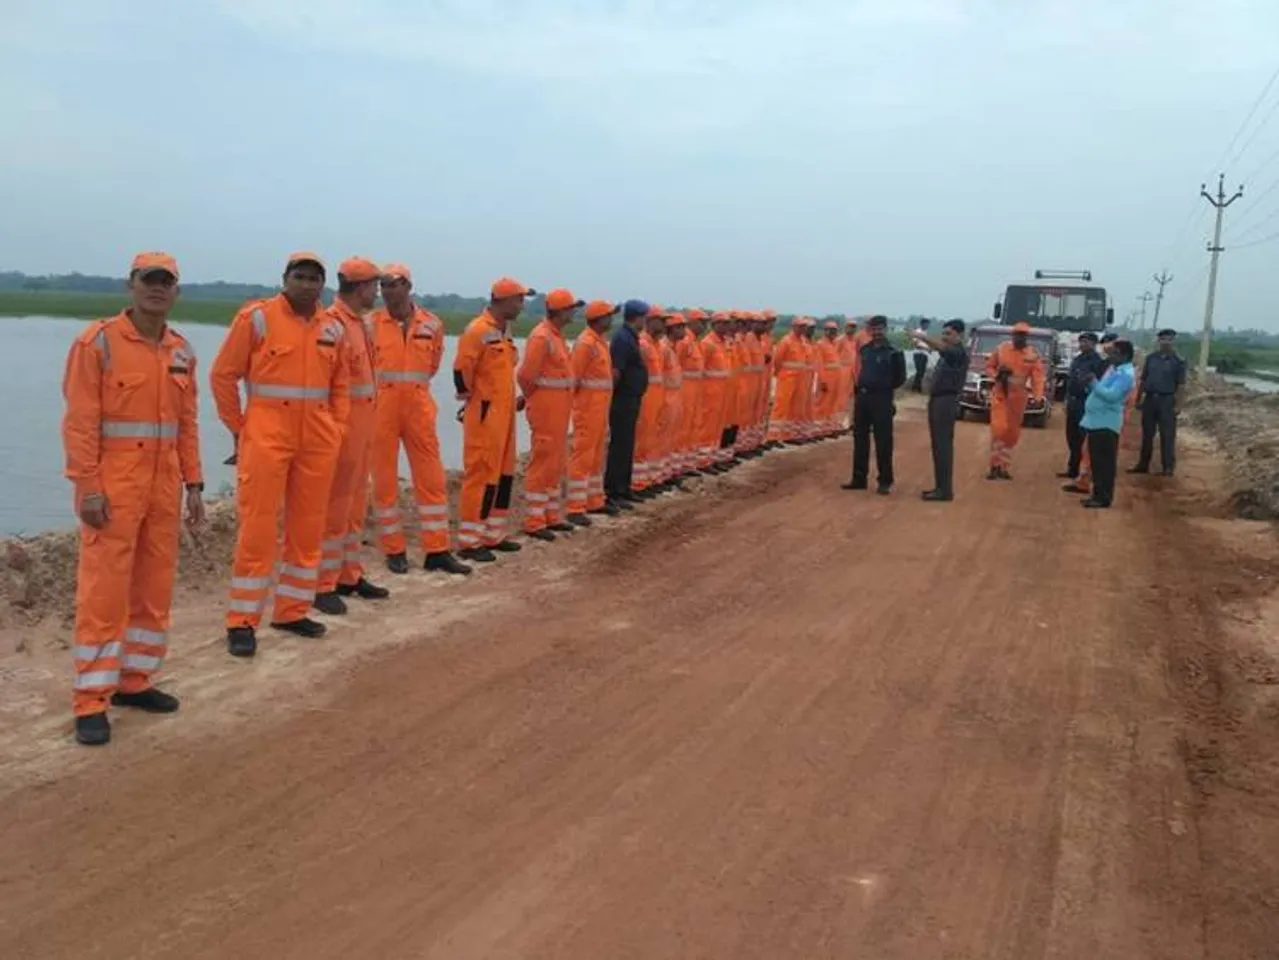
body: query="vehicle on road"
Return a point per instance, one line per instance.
(1063, 301)
(974, 399)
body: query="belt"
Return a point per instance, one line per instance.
(941, 396)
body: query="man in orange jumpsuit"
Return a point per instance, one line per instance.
(132, 443)
(805, 418)
(788, 365)
(717, 397)
(647, 430)
(753, 356)
(290, 353)
(545, 379)
(849, 359)
(764, 333)
(1013, 365)
(672, 423)
(689, 352)
(592, 371)
(408, 345)
(341, 574)
(484, 374)
(829, 382)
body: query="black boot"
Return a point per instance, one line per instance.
(397, 562)
(93, 730)
(364, 590)
(150, 700)
(241, 642)
(936, 496)
(561, 527)
(302, 627)
(445, 562)
(510, 546)
(329, 603)
(477, 554)
(855, 485)
(608, 510)
(579, 520)
(544, 535)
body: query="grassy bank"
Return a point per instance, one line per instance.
(89, 306)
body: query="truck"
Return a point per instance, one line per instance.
(1063, 301)
(974, 398)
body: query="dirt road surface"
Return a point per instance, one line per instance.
(767, 720)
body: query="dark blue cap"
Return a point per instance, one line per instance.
(635, 308)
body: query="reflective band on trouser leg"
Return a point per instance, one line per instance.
(433, 526)
(578, 492)
(352, 567)
(144, 651)
(470, 535)
(306, 500)
(534, 510)
(497, 527)
(97, 669)
(385, 463)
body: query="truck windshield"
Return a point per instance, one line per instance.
(1057, 308)
(985, 341)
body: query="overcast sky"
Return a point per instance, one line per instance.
(905, 156)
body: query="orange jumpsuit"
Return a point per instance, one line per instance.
(129, 433)
(647, 440)
(1008, 406)
(765, 386)
(485, 371)
(807, 389)
(716, 396)
(407, 357)
(738, 387)
(546, 380)
(788, 365)
(829, 382)
(296, 375)
(689, 448)
(849, 359)
(349, 497)
(672, 421)
(592, 392)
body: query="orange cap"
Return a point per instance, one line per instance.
(721, 316)
(830, 325)
(675, 320)
(506, 288)
(397, 271)
(599, 309)
(154, 260)
(768, 315)
(695, 314)
(1021, 326)
(358, 270)
(304, 256)
(563, 300)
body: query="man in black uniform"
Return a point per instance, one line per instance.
(1158, 397)
(630, 380)
(882, 371)
(1088, 365)
(943, 404)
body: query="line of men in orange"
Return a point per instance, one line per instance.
(319, 401)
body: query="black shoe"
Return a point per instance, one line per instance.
(676, 485)
(563, 527)
(508, 546)
(1067, 475)
(608, 510)
(579, 520)
(93, 730)
(544, 535)
(477, 554)
(151, 700)
(1004, 475)
(241, 642)
(1072, 488)
(621, 506)
(1139, 469)
(936, 496)
(302, 627)
(397, 562)
(1167, 472)
(1091, 504)
(630, 497)
(445, 562)
(646, 494)
(364, 590)
(329, 603)
(884, 489)
(993, 474)
(855, 485)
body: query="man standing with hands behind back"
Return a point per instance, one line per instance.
(1159, 399)
(943, 404)
(882, 369)
(630, 381)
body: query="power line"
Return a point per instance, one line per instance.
(1256, 105)
(1255, 243)
(1261, 223)
(1255, 133)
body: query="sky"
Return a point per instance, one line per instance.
(817, 156)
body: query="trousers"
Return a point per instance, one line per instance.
(1103, 452)
(943, 411)
(623, 415)
(1159, 414)
(1074, 436)
(873, 415)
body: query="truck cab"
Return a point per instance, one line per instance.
(1064, 302)
(974, 399)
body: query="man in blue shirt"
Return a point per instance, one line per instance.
(630, 381)
(1103, 419)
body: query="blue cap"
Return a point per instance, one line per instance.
(635, 308)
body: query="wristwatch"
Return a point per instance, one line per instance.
(196, 487)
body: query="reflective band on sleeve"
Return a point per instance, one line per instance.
(140, 661)
(294, 593)
(105, 347)
(124, 430)
(693, 375)
(790, 365)
(403, 376)
(275, 391)
(96, 679)
(298, 573)
(717, 374)
(595, 384)
(250, 583)
(363, 390)
(152, 638)
(89, 652)
(554, 383)
(259, 323)
(492, 336)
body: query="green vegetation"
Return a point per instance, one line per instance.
(1232, 357)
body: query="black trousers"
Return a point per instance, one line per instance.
(1158, 413)
(921, 368)
(1103, 451)
(873, 414)
(623, 415)
(943, 411)
(1074, 435)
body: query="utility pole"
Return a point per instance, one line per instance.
(1163, 279)
(1220, 202)
(1144, 299)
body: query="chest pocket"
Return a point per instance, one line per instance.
(121, 392)
(180, 364)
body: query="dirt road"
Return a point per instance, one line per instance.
(770, 720)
